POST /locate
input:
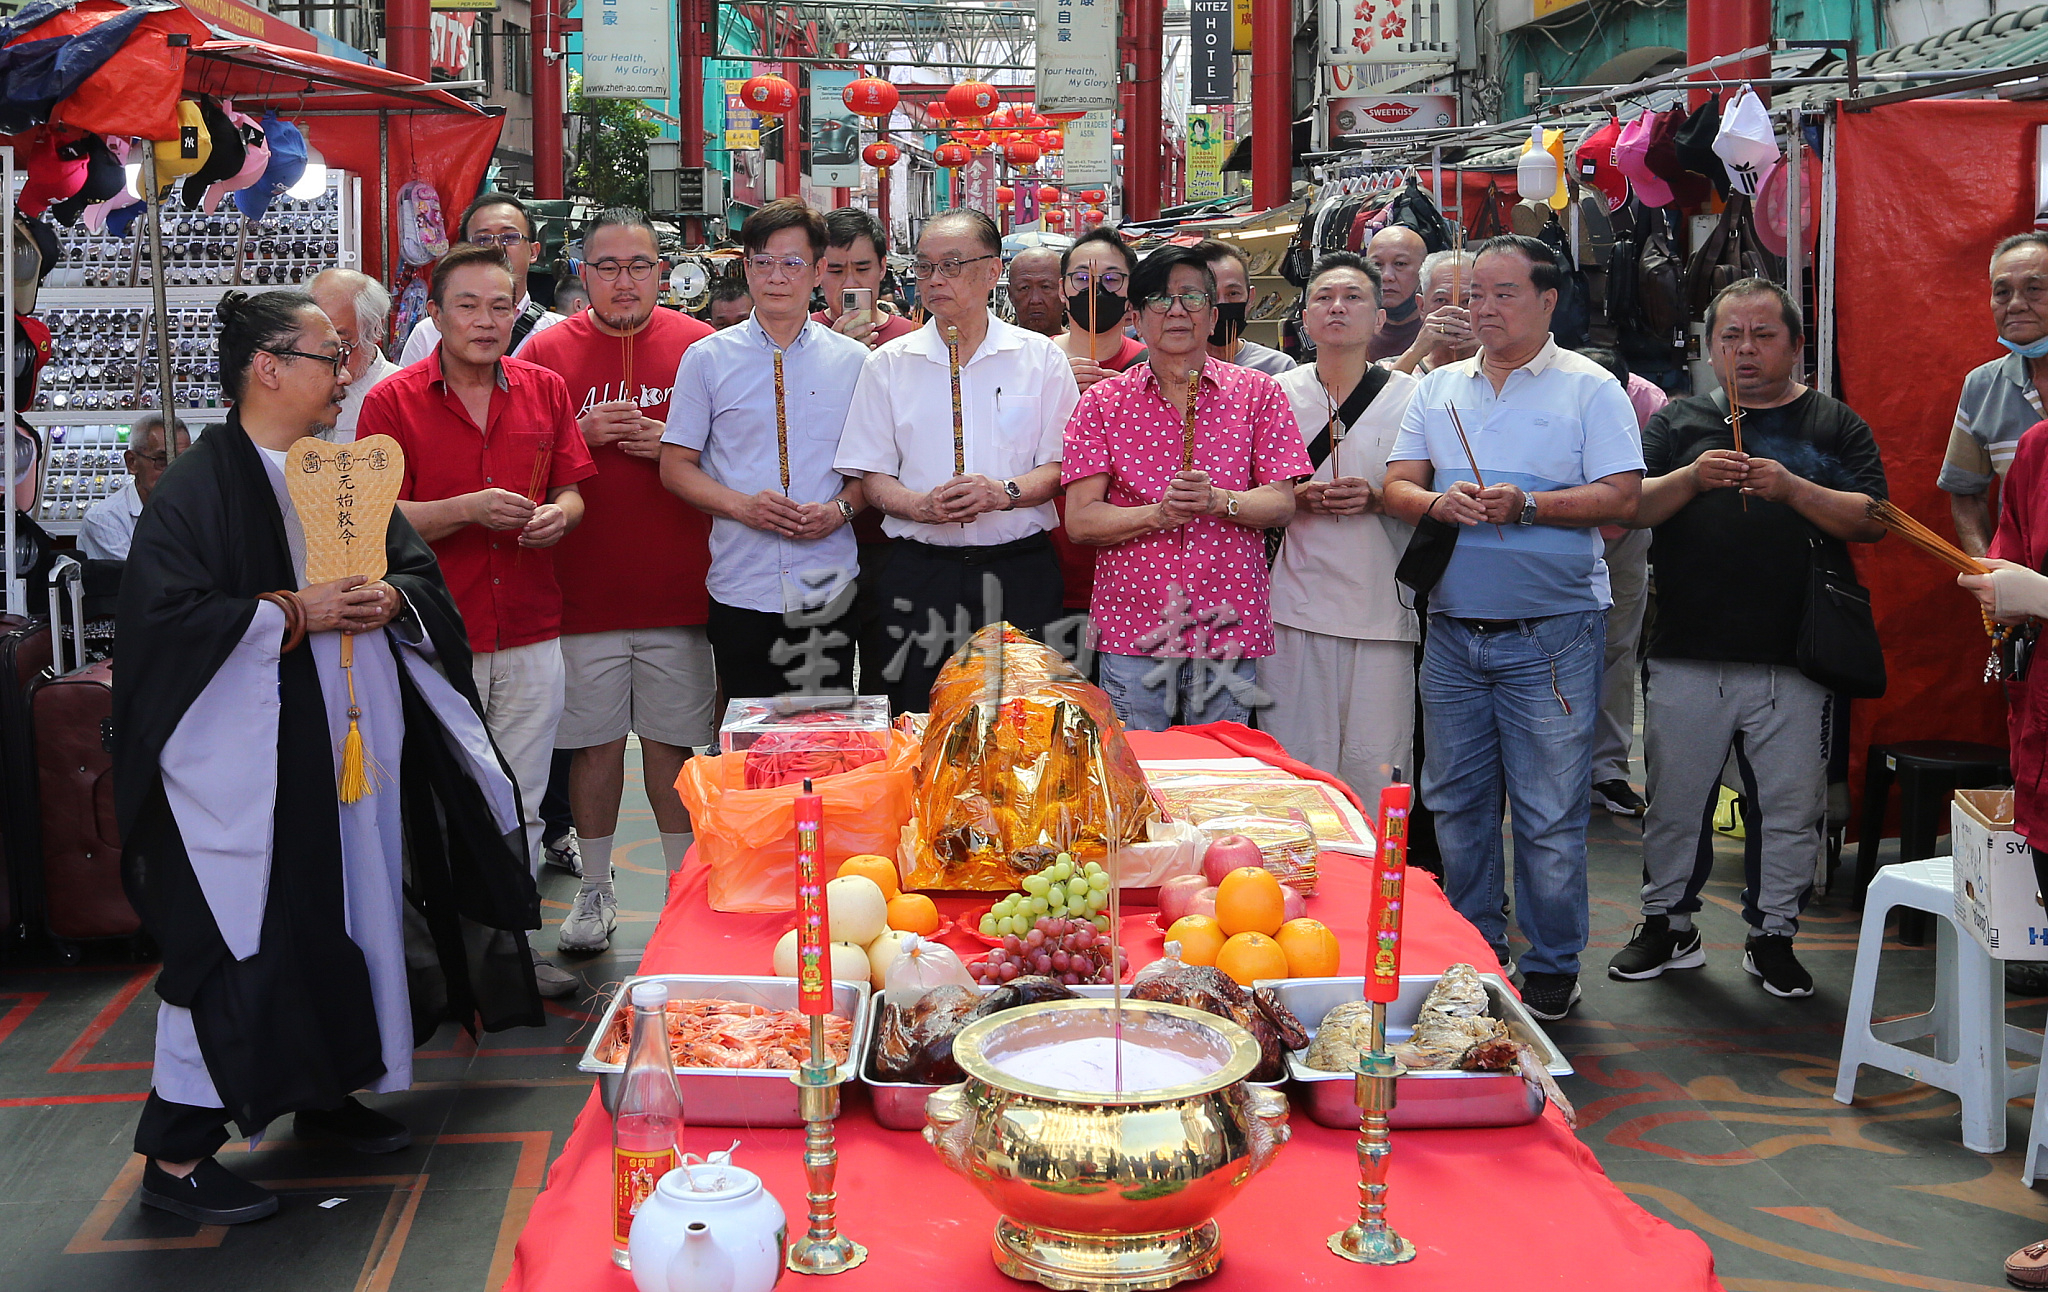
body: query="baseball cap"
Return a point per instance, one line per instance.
(255, 160)
(1773, 209)
(32, 354)
(1631, 155)
(1687, 189)
(286, 166)
(104, 178)
(56, 169)
(1595, 157)
(1696, 145)
(226, 157)
(185, 154)
(1746, 144)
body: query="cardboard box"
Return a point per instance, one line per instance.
(1997, 898)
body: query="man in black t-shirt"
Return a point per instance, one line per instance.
(1735, 535)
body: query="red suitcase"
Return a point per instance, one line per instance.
(24, 655)
(72, 717)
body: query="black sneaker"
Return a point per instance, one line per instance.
(1657, 947)
(1550, 996)
(1769, 956)
(2026, 977)
(1620, 798)
(363, 1129)
(211, 1195)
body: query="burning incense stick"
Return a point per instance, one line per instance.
(1735, 427)
(959, 426)
(538, 483)
(1187, 433)
(1459, 423)
(1091, 321)
(782, 424)
(1918, 535)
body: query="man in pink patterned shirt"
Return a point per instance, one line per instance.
(1180, 606)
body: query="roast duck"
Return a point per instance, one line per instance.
(1260, 1012)
(1022, 759)
(916, 1044)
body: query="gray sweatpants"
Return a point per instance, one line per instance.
(1628, 579)
(1695, 713)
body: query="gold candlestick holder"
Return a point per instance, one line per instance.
(1370, 1240)
(822, 1249)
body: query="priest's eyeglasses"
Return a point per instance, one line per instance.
(337, 359)
(948, 268)
(639, 269)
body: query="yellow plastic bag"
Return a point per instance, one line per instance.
(748, 837)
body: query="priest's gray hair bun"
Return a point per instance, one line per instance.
(265, 321)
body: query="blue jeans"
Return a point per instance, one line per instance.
(1154, 694)
(1513, 711)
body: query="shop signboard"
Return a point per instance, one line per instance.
(742, 127)
(835, 131)
(1364, 114)
(1510, 14)
(1212, 44)
(1388, 31)
(449, 37)
(1087, 158)
(1077, 67)
(626, 50)
(1208, 147)
(245, 22)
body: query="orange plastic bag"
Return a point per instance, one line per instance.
(748, 837)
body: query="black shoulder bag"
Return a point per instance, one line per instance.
(1319, 449)
(1426, 557)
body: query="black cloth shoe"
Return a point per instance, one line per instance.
(1550, 996)
(1657, 947)
(1769, 956)
(211, 1195)
(363, 1129)
(1620, 798)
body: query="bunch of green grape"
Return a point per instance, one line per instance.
(1062, 890)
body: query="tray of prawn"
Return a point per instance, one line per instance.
(735, 1041)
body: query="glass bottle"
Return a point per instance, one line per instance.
(647, 1119)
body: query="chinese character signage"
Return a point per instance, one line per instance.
(835, 131)
(1212, 44)
(1077, 68)
(343, 494)
(1208, 147)
(742, 128)
(627, 49)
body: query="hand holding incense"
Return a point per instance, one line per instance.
(1187, 434)
(959, 425)
(1735, 429)
(782, 421)
(1458, 423)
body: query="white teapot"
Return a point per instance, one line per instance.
(708, 1227)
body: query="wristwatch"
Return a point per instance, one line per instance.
(845, 510)
(1230, 505)
(1528, 516)
(1016, 492)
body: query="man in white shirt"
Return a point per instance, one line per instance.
(493, 220)
(1234, 297)
(359, 308)
(1342, 674)
(971, 515)
(110, 524)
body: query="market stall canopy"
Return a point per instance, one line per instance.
(104, 66)
(254, 72)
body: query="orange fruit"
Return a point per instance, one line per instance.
(869, 866)
(1200, 939)
(1310, 947)
(914, 913)
(1249, 900)
(1249, 956)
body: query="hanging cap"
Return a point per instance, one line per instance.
(286, 167)
(255, 160)
(1773, 208)
(1746, 143)
(226, 157)
(104, 179)
(32, 354)
(1696, 145)
(1596, 164)
(1687, 189)
(1631, 157)
(56, 170)
(187, 152)
(650, 995)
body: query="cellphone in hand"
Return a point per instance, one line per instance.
(856, 300)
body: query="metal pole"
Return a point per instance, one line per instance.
(167, 402)
(16, 591)
(1795, 232)
(389, 270)
(1824, 268)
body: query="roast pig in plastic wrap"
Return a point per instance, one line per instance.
(1022, 759)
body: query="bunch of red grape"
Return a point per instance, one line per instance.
(1071, 951)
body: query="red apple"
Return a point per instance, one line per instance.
(1177, 895)
(1204, 903)
(1229, 853)
(1293, 905)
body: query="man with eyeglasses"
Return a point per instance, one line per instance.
(1036, 300)
(493, 220)
(971, 515)
(855, 258)
(1181, 604)
(110, 524)
(634, 651)
(1095, 279)
(493, 457)
(751, 435)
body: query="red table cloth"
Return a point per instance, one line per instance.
(1523, 1206)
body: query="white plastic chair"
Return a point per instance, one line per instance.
(1967, 1022)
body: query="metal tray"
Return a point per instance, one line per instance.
(1422, 1100)
(899, 1105)
(733, 1096)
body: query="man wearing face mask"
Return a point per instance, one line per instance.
(1035, 292)
(1234, 297)
(1398, 253)
(1095, 274)
(2002, 398)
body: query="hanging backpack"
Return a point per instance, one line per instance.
(1729, 254)
(422, 233)
(409, 304)
(1572, 318)
(1644, 283)
(1413, 208)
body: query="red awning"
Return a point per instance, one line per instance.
(257, 74)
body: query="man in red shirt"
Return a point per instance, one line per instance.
(492, 460)
(634, 647)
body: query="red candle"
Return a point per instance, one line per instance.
(813, 928)
(1389, 871)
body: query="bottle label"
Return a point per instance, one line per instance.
(634, 1176)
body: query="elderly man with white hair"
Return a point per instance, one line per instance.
(360, 309)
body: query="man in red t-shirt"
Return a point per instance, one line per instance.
(634, 601)
(492, 461)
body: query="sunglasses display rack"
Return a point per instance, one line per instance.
(104, 338)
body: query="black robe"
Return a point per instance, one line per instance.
(293, 1027)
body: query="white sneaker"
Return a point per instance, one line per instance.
(552, 980)
(565, 853)
(590, 921)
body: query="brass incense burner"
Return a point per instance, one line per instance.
(1108, 1192)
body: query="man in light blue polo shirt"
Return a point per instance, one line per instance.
(1512, 663)
(753, 426)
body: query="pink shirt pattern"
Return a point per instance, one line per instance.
(1199, 590)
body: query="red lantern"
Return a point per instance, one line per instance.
(973, 99)
(1021, 153)
(881, 154)
(769, 94)
(1094, 195)
(1116, 136)
(1048, 195)
(937, 110)
(870, 96)
(1051, 141)
(1092, 218)
(1006, 196)
(1064, 116)
(1055, 219)
(952, 156)
(1006, 116)
(976, 139)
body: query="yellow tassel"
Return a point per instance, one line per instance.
(358, 775)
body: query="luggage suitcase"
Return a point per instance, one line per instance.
(24, 655)
(71, 715)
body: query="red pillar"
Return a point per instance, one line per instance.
(692, 46)
(882, 205)
(407, 42)
(1273, 102)
(547, 99)
(1143, 129)
(1724, 27)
